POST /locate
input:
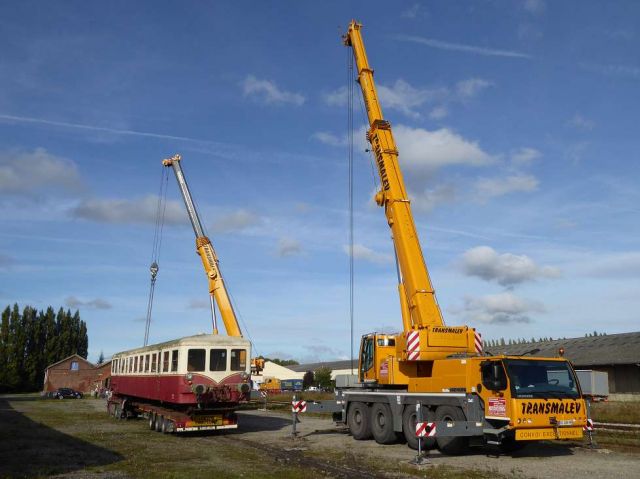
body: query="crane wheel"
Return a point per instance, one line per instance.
(358, 420)
(451, 445)
(382, 424)
(409, 419)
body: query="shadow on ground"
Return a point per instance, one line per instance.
(32, 449)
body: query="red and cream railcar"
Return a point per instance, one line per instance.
(204, 371)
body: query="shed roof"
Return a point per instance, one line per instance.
(621, 348)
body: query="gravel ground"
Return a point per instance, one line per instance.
(320, 437)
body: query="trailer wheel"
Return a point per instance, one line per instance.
(358, 420)
(159, 422)
(451, 445)
(409, 420)
(152, 420)
(382, 424)
(166, 426)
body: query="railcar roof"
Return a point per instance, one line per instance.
(196, 340)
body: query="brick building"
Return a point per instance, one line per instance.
(77, 373)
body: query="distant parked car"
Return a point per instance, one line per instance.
(63, 393)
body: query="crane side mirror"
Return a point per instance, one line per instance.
(493, 376)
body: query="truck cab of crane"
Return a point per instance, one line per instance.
(531, 395)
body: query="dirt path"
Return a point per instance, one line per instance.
(319, 437)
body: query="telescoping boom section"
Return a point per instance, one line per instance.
(425, 335)
(204, 248)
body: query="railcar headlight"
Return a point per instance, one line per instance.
(244, 376)
(199, 388)
(188, 376)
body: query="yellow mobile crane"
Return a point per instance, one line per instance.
(204, 248)
(468, 397)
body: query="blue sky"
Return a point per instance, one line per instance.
(517, 127)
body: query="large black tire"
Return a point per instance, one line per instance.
(359, 420)
(409, 419)
(451, 445)
(382, 424)
(159, 422)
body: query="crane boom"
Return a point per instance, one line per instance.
(417, 296)
(204, 248)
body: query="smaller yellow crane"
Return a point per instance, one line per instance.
(204, 248)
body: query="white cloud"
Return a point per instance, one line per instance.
(478, 50)
(421, 150)
(492, 187)
(73, 302)
(288, 247)
(501, 308)
(471, 87)
(236, 221)
(405, 98)
(137, 210)
(581, 123)
(506, 269)
(329, 138)
(367, 254)
(439, 113)
(400, 96)
(412, 12)
(337, 97)
(614, 265)
(430, 198)
(537, 7)
(269, 92)
(38, 173)
(524, 156)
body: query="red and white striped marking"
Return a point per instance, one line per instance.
(589, 426)
(413, 345)
(298, 406)
(425, 429)
(263, 394)
(478, 341)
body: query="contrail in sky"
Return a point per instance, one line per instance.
(116, 131)
(461, 47)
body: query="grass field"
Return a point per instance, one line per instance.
(627, 412)
(46, 437)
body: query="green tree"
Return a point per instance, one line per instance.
(323, 378)
(307, 379)
(101, 358)
(4, 348)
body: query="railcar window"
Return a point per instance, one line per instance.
(196, 359)
(174, 361)
(238, 359)
(217, 360)
(153, 363)
(135, 365)
(165, 362)
(146, 363)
